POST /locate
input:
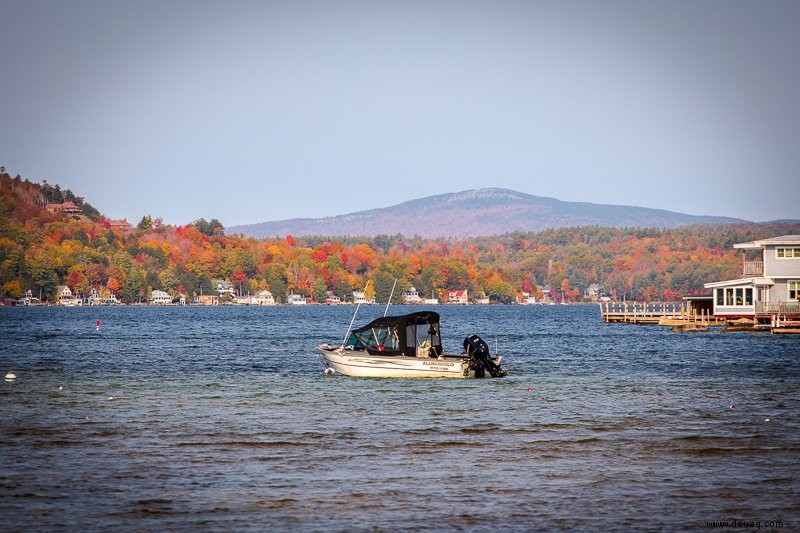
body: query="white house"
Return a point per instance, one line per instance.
(411, 296)
(64, 296)
(264, 298)
(101, 296)
(296, 299)
(331, 298)
(223, 286)
(360, 298)
(160, 298)
(593, 291)
(527, 299)
(770, 282)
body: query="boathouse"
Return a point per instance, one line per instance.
(768, 293)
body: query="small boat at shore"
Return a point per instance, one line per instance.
(408, 346)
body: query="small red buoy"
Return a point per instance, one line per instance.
(530, 389)
(97, 324)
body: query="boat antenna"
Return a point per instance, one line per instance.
(390, 297)
(354, 316)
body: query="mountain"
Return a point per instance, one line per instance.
(475, 213)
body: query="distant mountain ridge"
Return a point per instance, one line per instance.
(475, 213)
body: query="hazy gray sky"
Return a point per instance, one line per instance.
(254, 111)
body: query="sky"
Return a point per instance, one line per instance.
(250, 111)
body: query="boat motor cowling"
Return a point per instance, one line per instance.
(480, 360)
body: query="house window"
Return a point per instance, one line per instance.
(787, 253)
(739, 296)
(794, 290)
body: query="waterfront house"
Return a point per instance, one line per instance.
(527, 299)
(206, 299)
(456, 296)
(223, 286)
(411, 296)
(64, 296)
(593, 291)
(160, 298)
(296, 299)
(243, 299)
(769, 286)
(264, 298)
(259, 298)
(331, 298)
(360, 298)
(101, 296)
(29, 299)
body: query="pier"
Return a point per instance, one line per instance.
(694, 314)
(686, 314)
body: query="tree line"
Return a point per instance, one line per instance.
(40, 250)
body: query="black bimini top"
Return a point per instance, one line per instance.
(399, 335)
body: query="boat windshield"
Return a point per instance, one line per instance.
(400, 335)
(380, 339)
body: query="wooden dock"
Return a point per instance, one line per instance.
(693, 315)
(674, 314)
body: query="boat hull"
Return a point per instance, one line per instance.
(361, 364)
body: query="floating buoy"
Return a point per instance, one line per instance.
(530, 389)
(97, 324)
(732, 406)
(766, 420)
(60, 387)
(329, 370)
(110, 397)
(11, 376)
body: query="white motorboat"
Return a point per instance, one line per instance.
(408, 346)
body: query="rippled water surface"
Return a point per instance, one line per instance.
(221, 419)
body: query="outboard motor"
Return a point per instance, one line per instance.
(480, 360)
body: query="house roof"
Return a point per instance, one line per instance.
(758, 282)
(774, 241)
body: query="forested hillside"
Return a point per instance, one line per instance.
(40, 250)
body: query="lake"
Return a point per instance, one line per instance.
(220, 418)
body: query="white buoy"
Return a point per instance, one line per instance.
(110, 397)
(11, 376)
(329, 370)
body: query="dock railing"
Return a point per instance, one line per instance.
(641, 312)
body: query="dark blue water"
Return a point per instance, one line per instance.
(221, 419)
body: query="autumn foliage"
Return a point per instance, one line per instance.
(40, 250)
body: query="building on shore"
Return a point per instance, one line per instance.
(456, 296)
(411, 296)
(767, 296)
(158, 297)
